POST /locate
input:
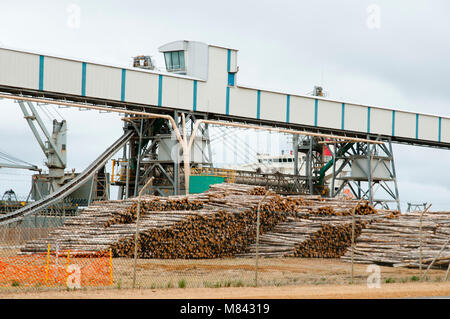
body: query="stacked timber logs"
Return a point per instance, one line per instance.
(157, 204)
(258, 191)
(362, 209)
(218, 223)
(399, 243)
(329, 242)
(286, 237)
(221, 234)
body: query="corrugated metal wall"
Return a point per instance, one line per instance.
(38, 72)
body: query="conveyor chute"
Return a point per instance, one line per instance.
(68, 188)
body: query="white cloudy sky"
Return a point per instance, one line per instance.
(288, 45)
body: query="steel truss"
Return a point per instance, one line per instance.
(368, 170)
(142, 155)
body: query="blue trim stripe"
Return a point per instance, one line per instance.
(393, 122)
(417, 125)
(368, 119)
(227, 106)
(228, 60)
(230, 78)
(288, 106)
(440, 127)
(41, 72)
(316, 111)
(160, 83)
(258, 105)
(122, 89)
(83, 79)
(194, 102)
(343, 116)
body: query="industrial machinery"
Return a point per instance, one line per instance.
(154, 152)
(200, 82)
(54, 147)
(144, 62)
(9, 202)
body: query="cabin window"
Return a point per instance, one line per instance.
(174, 61)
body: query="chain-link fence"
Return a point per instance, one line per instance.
(212, 240)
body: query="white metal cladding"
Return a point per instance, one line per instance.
(62, 76)
(355, 118)
(202, 96)
(329, 114)
(272, 106)
(445, 130)
(428, 128)
(141, 87)
(214, 93)
(35, 71)
(380, 121)
(243, 102)
(233, 61)
(301, 110)
(405, 124)
(19, 69)
(177, 92)
(103, 82)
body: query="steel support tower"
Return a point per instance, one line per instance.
(368, 170)
(155, 152)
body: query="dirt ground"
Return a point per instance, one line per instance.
(235, 278)
(237, 272)
(395, 290)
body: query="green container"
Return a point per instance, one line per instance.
(200, 184)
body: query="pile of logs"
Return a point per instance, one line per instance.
(329, 242)
(258, 191)
(157, 204)
(304, 228)
(404, 241)
(222, 223)
(103, 224)
(361, 209)
(213, 235)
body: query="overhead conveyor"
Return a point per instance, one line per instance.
(70, 187)
(207, 85)
(203, 84)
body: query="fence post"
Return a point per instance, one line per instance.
(353, 241)
(48, 262)
(110, 267)
(446, 274)
(435, 258)
(257, 237)
(67, 265)
(420, 238)
(137, 226)
(353, 238)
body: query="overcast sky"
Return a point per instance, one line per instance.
(392, 54)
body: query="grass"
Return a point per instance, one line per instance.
(228, 283)
(182, 283)
(389, 280)
(15, 283)
(415, 278)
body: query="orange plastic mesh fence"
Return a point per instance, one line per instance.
(85, 269)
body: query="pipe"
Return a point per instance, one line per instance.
(258, 127)
(184, 144)
(100, 108)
